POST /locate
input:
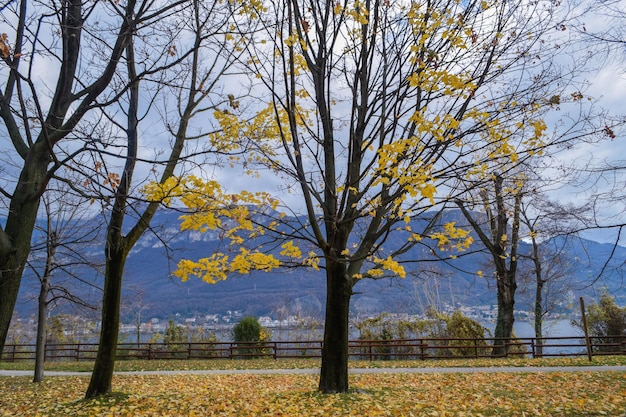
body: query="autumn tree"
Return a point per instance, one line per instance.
(188, 67)
(369, 111)
(80, 45)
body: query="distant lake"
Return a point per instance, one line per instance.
(551, 328)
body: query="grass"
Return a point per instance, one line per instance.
(388, 394)
(225, 364)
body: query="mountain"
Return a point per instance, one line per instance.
(150, 286)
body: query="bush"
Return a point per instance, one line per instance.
(459, 326)
(606, 323)
(249, 332)
(380, 328)
(436, 325)
(174, 339)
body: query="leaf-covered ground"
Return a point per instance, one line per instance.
(298, 363)
(476, 394)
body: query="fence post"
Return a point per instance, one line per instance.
(587, 338)
(77, 351)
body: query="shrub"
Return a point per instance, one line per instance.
(606, 323)
(435, 325)
(249, 332)
(459, 326)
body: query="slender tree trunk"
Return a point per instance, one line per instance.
(117, 248)
(40, 348)
(138, 328)
(102, 375)
(334, 372)
(506, 318)
(538, 299)
(539, 318)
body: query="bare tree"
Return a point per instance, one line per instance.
(65, 235)
(134, 305)
(80, 53)
(548, 226)
(502, 243)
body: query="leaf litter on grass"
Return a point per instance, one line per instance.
(387, 394)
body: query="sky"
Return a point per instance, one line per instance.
(607, 85)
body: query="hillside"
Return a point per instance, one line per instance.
(148, 281)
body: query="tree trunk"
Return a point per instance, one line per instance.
(334, 372)
(506, 318)
(102, 375)
(40, 348)
(15, 239)
(538, 299)
(539, 319)
(117, 249)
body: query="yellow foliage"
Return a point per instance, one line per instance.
(210, 269)
(452, 233)
(247, 261)
(290, 250)
(387, 264)
(313, 261)
(209, 209)
(218, 266)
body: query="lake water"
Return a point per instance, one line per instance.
(551, 328)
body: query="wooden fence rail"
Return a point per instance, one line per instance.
(409, 349)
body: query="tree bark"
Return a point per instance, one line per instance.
(539, 318)
(117, 248)
(334, 371)
(15, 239)
(504, 323)
(102, 375)
(40, 348)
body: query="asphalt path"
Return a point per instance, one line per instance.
(464, 370)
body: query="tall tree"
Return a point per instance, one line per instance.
(368, 109)
(193, 72)
(502, 243)
(40, 121)
(548, 226)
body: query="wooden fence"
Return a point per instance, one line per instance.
(408, 349)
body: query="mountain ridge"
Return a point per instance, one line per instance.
(148, 280)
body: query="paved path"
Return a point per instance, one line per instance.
(520, 369)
